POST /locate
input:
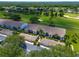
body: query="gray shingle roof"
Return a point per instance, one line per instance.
(28, 37)
(6, 32)
(10, 22)
(48, 42)
(51, 30)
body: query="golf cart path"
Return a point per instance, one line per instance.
(71, 17)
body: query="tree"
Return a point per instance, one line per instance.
(56, 36)
(42, 53)
(12, 16)
(56, 51)
(46, 34)
(41, 33)
(2, 9)
(12, 47)
(15, 17)
(46, 13)
(52, 13)
(34, 19)
(61, 13)
(56, 14)
(67, 40)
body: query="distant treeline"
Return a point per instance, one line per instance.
(41, 4)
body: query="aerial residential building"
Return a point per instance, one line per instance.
(47, 29)
(17, 25)
(13, 24)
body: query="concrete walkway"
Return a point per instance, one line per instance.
(71, 17)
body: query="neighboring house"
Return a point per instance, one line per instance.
(44, 43)
(6, 32)
(17, 25)
(49, 43)
(47, 29)
(28, 37)
(13, 24)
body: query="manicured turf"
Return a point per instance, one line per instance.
(62, 22)
(25, 18)
(1, 14)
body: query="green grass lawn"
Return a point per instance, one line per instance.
(25, 18)
(62, 22)
(1, 14)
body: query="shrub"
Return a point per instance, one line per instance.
(74, 41)
(56, 36)
(34, 19)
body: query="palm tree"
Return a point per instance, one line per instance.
(41, 33)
